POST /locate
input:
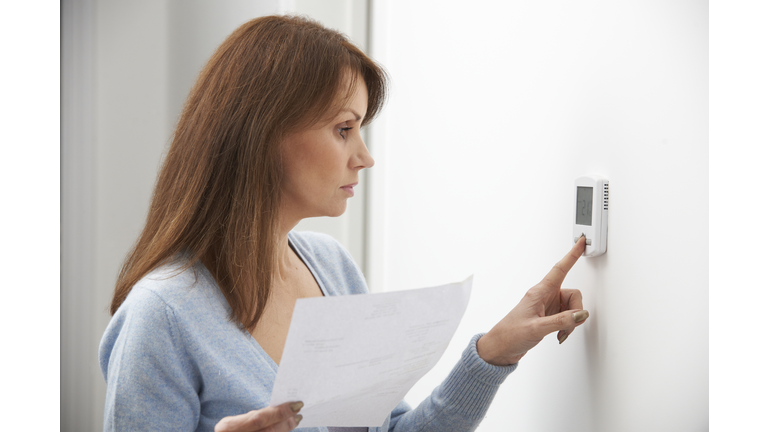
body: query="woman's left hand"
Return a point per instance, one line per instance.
(281, 418)
(545, 308)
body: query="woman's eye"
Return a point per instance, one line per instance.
(343, 131)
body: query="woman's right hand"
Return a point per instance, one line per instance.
(281, 418)
(545, 308)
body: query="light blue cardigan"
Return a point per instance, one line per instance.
(173, 360)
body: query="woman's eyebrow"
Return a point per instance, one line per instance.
(353, 112)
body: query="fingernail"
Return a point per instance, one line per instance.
(563, 337)
(296, 406)
(580, 316)
(298, 418)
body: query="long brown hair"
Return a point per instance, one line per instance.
(217, 195)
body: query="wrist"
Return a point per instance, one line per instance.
(491, 351)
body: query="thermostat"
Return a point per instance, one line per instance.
(591, 213)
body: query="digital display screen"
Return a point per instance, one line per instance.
(584, 205)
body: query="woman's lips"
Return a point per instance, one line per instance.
(349, 189)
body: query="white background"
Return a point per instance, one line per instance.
(29, 169)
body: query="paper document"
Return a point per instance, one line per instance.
(351, 359)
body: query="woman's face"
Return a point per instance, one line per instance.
(321, 164)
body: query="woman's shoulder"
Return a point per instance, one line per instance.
(176, 284)
(329, 261)
(183, 292)
(315, 242)
(321, 248)
(179, 301)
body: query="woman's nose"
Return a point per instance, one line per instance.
(364, 158)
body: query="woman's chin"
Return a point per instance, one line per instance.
(338, 211)
(334, 211)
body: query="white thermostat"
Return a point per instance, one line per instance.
(591, 213)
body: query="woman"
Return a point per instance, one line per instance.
(269, 135)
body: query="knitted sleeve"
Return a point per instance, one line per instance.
(460, 402)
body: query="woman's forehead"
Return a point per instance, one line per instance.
(351, 100)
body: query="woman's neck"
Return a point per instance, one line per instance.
(286, 257)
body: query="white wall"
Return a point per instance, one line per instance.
(497, 107)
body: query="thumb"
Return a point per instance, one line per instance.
(565, 321)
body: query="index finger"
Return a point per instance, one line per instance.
(557, 275)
